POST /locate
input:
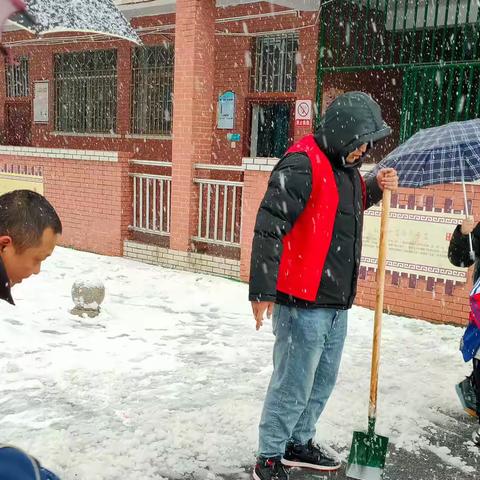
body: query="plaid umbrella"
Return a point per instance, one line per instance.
(445, 154)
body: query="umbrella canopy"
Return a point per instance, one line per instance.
(446, 154)
(96, 16)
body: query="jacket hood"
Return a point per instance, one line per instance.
(351, 120)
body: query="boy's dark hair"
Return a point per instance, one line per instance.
(24, 216)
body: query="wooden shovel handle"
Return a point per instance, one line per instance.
(377, 332)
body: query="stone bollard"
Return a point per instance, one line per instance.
(87, 295)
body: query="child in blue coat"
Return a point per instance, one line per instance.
(470, 348)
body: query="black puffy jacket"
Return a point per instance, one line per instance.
(352, 120)
(459, 250)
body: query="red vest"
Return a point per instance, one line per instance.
(306, 246)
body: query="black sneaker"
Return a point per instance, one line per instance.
(309, 456)
(269, 469)
(476, 437)
(466, 394)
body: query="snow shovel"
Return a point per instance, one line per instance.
(369, 450)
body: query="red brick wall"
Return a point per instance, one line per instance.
(424, 297)
(233, 58)
(93, 199)
(41, 68)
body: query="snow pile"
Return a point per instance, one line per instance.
(170, 379)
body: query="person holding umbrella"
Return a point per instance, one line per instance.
(304, 269)
(459, 255)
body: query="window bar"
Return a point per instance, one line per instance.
(169, 198)
(404, 29)
(366, 25)
(162, 204)
(141, 202)
(413, 35)
(348, 25)
(445, 27)
(413, 100)
(234, 214)
(477, 105)
(466, 28)
(225, 212)
(155, 203)
(459, 95)
(217, 191)
(394, 28)
(384, 43)
(147, 212)
(455, 33)
(431, 88)
(357, 30)
(442, 73)
(468, 98)
(451, 78)
(200, 209)
(433, 32)
(207, 230)
(421, 104)
(424, 30)
(134, 201)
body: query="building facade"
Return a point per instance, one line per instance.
(162, 152)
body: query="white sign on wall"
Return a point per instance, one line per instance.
(226, 111)
(40, 102)
(303, 113)
(417, 242)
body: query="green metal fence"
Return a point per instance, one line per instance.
(393, 33)
(437, 95)
(435, 43)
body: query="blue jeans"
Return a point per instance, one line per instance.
(306, 358)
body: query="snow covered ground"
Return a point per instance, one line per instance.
(169, 380)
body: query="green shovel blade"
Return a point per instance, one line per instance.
(367, 456)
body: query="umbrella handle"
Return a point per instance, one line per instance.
(377, 332)
(467, 214)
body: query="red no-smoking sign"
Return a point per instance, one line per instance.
(303, 113)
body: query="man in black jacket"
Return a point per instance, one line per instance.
(29, 231)
(304, 268)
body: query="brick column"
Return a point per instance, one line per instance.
(124, 69)
(193, 110)
(255, 183)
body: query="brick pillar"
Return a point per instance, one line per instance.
(307, 74)
(254, 187)
(41, 67)
(124, 69)
(192, 112)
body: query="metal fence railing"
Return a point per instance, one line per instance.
(151, 203)
(219, 212)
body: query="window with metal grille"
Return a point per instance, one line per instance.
(152, 87)
(275, 66)
(17, 78)
(86, 92)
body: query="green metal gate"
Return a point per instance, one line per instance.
(434, 43)
(436, 95)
